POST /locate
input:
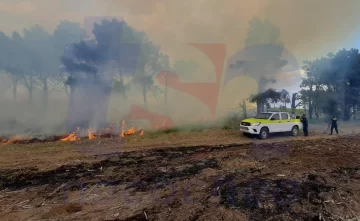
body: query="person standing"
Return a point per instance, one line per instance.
(334, 125)
(304, 121)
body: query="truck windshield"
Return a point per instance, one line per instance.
(263, 116)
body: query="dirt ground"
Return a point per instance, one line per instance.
(208, 175)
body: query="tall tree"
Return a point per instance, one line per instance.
(285, 97)
(262, 32)
(266, 97)
(92, 65)
(244, 109)
(262, 57)
(151, 61)
(19, 61)
(7, 62)
(46, 64)
(66, 34)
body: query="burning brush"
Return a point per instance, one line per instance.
(107, 133)
(72, 136)
(91, 135)
(131, 131)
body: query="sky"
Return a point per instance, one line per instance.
(308, 28)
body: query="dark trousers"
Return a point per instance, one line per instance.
(305, 130)
(334, 127)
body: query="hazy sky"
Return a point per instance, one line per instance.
(309, 28)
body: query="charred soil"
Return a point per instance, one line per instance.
(314, 179)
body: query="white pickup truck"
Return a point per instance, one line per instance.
(271, 122)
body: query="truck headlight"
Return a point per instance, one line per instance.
(255, 124)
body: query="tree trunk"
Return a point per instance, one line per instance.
(310, 102)
(293, 99)
(317, 115)
(261, 88)
(316, 110)
(310, 110)
(259, 106)
(243, 106)
(123, 82)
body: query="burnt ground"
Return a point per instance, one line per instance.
(311, 180)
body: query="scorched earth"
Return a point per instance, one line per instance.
(285, 178)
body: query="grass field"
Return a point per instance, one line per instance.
(54, 154)
(204, 174)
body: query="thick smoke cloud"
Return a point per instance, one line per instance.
(308, 28)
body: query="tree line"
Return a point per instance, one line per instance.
(41, 61)
(331, 86)
(68, 59)
(32, 60)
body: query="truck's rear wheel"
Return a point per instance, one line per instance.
(295, 131)
(264, 133)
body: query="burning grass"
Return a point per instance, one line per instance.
(108, 132)
(81, 134)
(112, 131)
(45, 155)
(50, 152)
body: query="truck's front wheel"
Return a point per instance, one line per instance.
(295, 131)
(264, 133)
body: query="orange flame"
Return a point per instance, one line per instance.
(91, 135)
(13, 140)
(130, 131)
(72, 136)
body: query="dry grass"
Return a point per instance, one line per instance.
(52, 155)
(182, 184)
(44, 156)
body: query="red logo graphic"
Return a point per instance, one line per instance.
(205, 92)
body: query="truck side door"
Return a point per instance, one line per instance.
(276, 124)
(286, 124)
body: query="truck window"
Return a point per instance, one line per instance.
(263, 116)
(276, 116)
(284, 116)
